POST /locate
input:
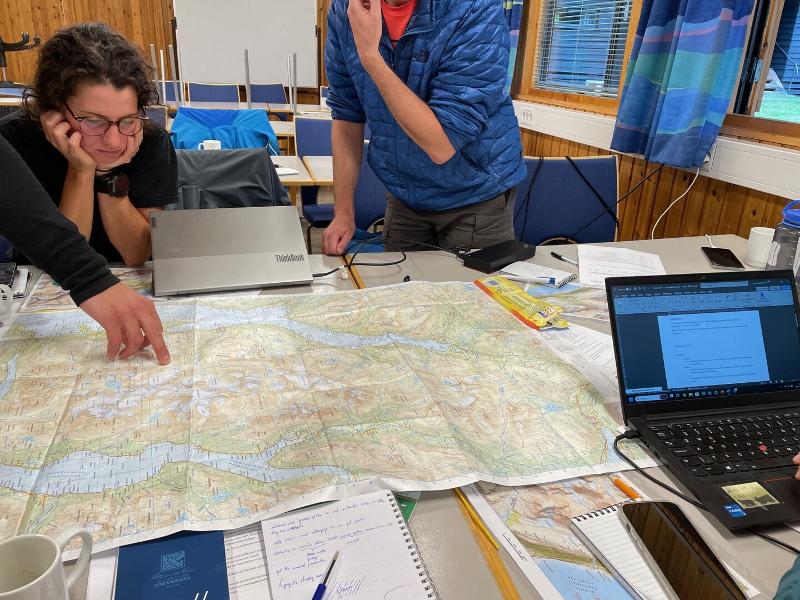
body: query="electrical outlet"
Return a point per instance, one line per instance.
(708, 163)
(526, 116)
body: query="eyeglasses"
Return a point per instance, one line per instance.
(98, 125)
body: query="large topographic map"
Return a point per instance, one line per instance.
(275, 402)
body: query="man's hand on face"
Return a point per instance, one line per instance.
(366, 21)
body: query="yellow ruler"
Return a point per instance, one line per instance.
(531, 311)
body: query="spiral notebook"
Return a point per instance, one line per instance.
(604, 534)
(377, 555)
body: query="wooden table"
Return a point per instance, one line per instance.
(285, 130)
(302, 178)
(293, 182)
(287, 108)
(321, 169)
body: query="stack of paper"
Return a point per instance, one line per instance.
(595, 263)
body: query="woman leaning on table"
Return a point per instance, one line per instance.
(85, 136)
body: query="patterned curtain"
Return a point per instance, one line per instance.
(513, 10)
(680, 78)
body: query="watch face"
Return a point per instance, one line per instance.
(120, 184)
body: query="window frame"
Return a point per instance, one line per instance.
(526, 89)
(760, 129)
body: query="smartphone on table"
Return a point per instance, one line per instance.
(722, 258)
(678, 555)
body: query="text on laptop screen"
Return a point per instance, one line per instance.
(699, 339)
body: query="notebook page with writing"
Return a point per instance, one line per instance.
(377, 555)
(604, 534)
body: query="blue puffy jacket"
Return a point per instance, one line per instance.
(454, 56)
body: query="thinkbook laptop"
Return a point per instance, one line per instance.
(709, 374)
(215, 249)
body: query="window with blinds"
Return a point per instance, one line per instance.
(581, 46)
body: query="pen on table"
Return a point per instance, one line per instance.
(628, 490)
(320, 591)
(569, 261)
(550, 280)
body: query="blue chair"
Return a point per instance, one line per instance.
(170, 91)
(369, 203)
(312, 137)
(157, 114)
(244, 128)
(268, 92)
(565, 200)
(213, 92)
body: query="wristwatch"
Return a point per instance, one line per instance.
(115, 185)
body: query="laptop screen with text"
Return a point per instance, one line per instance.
(701, 339)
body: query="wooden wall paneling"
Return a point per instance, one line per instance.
(547, 146)
(753, 212)
(624, 168)
(694, 208)
(141, 21)
(662, 199)
(644, 213)
(732, 207)
(712, 206)
(37, 18)
(631, 203)
(673, 220)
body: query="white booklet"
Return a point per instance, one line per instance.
(529, 272)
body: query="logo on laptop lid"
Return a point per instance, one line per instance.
(285, 258)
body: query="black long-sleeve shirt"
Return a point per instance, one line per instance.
(34, 225)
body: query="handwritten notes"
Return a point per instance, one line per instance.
(377, 557)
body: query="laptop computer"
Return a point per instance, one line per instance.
(709, 375)
(216, 249)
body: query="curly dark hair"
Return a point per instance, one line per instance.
(87, 53)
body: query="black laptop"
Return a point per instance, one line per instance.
(709, 374)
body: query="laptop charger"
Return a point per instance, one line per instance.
(494, 258)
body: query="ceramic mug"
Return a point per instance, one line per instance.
(31, 566)
(758, 246)
(210, 145)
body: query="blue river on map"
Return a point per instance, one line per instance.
(187, 317)
(90, 472)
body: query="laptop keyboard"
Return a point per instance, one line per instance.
(732, 445)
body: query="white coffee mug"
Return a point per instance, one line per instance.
(758, 245)
(210, 145)
(31, 567)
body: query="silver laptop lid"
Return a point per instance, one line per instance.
(218, 249)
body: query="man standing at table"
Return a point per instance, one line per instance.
(445, 141)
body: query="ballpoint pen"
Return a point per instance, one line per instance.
(569, 261)
(535, 279)
(320, 591)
